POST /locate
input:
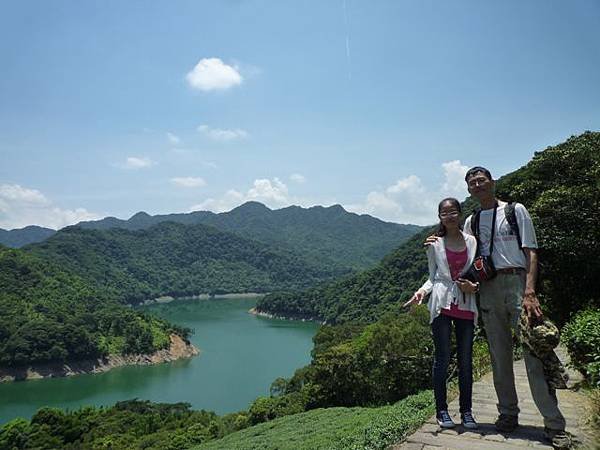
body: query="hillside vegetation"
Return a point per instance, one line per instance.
(177, 260)
(560, 187)
(334, 428)
(23, 236)
(52, 315)
(321, 235)
(357, 391)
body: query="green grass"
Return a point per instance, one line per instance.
(334, 428)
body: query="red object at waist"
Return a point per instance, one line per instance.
(457, 313)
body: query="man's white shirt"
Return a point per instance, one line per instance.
(506, 246)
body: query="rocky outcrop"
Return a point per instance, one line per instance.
(178, 349)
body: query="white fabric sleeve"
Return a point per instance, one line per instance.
(526, 229)
(428, 285)
(467, 226)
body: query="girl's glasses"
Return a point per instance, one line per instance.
(449, 214)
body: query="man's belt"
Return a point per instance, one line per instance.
(511, 270)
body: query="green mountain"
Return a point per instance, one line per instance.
(330, 235)
(52, 315)
(560, 187)
(357, 364)
(177, 260)
(22, 236)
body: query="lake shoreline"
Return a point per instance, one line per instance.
(168, 298)
(258, 313)
(178, 349)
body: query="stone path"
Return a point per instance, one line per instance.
(529, 434)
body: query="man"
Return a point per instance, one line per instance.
(501, 301)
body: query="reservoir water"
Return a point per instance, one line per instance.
(240, 355)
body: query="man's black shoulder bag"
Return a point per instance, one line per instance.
(482, 268)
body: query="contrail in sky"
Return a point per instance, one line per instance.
(347, 42)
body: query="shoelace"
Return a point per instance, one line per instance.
(445, 417)
(468, 418)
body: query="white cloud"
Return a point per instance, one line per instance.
(230, 200)
(212, 74)
(269, 191)
(21, 206)
(411, 184)
(273, 193)
(209, 164)
(297, 178)
(454, 175)
(188, 182)
(14, 192)
(217, 134)
(408, 200)
(173, 138)
(133, 162)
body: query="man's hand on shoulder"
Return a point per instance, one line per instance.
(430, 240)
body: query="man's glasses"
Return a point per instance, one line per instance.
(477, 181)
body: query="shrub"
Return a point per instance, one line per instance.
(582, 338)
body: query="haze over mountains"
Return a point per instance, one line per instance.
(22, 236)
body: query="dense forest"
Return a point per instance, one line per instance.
(374, 355)
(323, 235)
(560, 187)
(177, 260)
(52, 315)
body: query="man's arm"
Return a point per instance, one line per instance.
(530, 300)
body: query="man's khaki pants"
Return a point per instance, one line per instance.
(500, 304)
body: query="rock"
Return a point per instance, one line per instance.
(178, 349)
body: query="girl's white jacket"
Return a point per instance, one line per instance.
(443, 290)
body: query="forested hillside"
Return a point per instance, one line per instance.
(560, 187)
(328, 235)
(52, 315)
(356, 363)
(23, 236)
(363, 297)
(177, 260)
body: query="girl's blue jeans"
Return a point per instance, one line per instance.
(464, 330)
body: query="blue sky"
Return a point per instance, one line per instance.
(112, 107)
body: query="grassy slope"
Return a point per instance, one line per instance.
(348, 428)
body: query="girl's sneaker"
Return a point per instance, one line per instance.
(468, 421)
(444, 420)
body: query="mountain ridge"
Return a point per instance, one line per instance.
(319, 233)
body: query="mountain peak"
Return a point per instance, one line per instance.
(337, 207)
(140, 215)
(251, 206)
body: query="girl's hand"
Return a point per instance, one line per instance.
(467, 286)
(416, 299)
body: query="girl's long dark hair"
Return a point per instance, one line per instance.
(441, 230)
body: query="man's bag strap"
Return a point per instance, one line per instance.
(511, 218)
(475, 228)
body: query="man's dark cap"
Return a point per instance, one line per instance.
(473, 170)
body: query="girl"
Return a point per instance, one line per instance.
(452, 301)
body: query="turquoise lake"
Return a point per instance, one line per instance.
(240, 355)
